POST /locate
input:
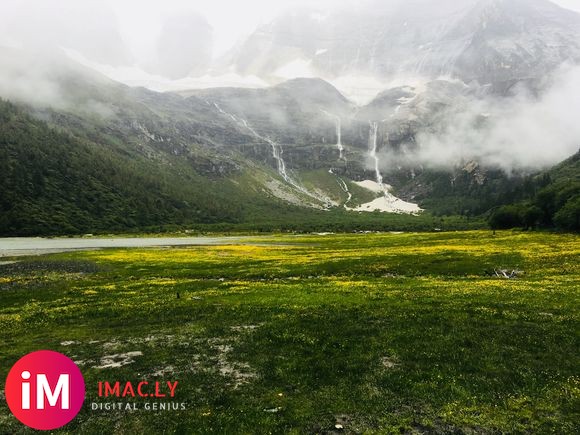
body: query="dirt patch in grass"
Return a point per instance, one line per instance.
(388, 362)
(117, 360)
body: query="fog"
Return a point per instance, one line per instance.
(132, 32)
(175, 43)
(140, 33)
(522, 132)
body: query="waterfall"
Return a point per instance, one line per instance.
(344, 187)
(277, 152)
(338, 124)
(373, 136)
(390, 199)
(339, 138)
(276, 148)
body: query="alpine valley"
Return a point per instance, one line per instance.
(436, 146)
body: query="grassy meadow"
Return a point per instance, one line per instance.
(360, 333)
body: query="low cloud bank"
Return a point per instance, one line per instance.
(519, 133)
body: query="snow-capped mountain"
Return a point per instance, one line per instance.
(490, 41)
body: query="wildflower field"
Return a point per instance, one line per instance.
(361, 333)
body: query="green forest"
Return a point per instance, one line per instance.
(553, 201)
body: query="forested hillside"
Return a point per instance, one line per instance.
(552, 201)
(54, 183)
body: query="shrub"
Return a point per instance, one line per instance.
(506, 217)
(568, 217)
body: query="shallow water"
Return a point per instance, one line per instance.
(19, 246)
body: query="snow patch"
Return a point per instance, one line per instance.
(389, 205)
(135, 76)
(405, 100)
(387, 202)
(373, 186)
(296, 68)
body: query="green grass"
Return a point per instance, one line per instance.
(382, 333)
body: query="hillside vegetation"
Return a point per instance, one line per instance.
(552, 200)
(57, 180)
(52, 182)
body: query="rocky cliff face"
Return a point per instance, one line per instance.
(489, 41)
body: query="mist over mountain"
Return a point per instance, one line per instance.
(488, 41)
(520, 132)
(89, 27)
(184, 46)
(469, 101)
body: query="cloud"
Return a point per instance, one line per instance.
(524, 132)
(184, 46)
(27, 78)
(48, 79)
(88, 26)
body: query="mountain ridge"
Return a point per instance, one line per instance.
(417, 39)
(230, 154)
